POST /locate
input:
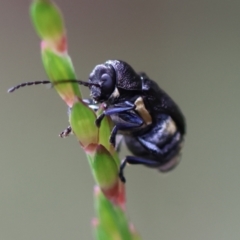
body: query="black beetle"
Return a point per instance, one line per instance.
(152, 124)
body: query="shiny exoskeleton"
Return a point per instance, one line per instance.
(152, 124)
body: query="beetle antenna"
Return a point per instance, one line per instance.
(12, 89)
(86, 84)
(80, 82)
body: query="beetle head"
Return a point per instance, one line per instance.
(102, 82)
(109, 78)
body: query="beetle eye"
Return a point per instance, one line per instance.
(107, 83)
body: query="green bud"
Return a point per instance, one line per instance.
(104, 168)
(111, 218)
(60, 67)
(82, 121)
(47, 19)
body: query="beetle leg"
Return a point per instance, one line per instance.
(117, 109)
(99, 119)
(123, 126)
(112, 138)
(66, 132)
(135, 160)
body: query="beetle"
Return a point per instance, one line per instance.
(151, 123)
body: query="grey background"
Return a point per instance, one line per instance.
(192, 49)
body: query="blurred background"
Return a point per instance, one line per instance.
(191, 48)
